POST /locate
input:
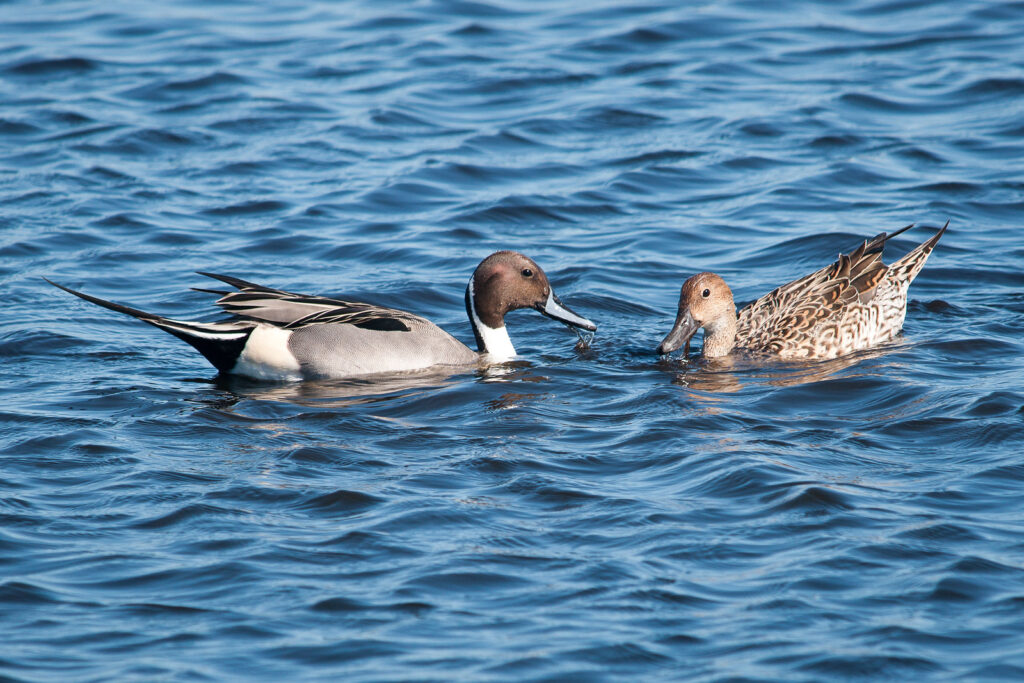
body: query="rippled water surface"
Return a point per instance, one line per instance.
(588, 515)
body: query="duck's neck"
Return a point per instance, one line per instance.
(720, 336)
(492, 341)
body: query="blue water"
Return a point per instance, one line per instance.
(583, 515)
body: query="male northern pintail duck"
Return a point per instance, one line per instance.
(852, 304)
(280, 335)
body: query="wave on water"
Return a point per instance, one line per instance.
(593, 513)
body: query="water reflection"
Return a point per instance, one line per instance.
(731, 373)
(340, 393)
(512, 399)
(512, 371)
(336, 393)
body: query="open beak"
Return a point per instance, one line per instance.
(681, 333)
(553, 308)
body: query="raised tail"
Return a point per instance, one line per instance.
(906, 269)
(877, 242)
(220, 343)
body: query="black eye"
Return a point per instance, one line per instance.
(706, 293)
(527, 272)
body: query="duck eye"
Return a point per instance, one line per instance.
(527, 272)
(706, 293)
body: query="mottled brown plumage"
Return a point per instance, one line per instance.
(852, 304)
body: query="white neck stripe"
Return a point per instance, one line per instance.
(496, 342)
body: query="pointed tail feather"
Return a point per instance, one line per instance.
(879, 240)
(220, 343)
(239, 283)
(907, 268)
(863, 266)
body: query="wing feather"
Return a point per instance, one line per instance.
(293, 311)
(799, 309)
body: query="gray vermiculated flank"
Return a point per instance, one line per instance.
(338, 350)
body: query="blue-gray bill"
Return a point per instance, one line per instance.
(556, 310)
(682, 331)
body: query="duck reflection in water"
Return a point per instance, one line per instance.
(331, 393)
(732, 373)
(369, 389)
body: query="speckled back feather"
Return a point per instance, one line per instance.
(851, 304)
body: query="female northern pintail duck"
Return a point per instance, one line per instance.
(852, 304)
(280, 335)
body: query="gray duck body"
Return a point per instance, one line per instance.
(373, 351)
(282, 335)
(327, 337)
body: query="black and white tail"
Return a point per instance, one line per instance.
(220, 343)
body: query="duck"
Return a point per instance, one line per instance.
(855, 303)
(279, 335)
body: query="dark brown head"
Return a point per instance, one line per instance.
(704, 301)
(506, 281)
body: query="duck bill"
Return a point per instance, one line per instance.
(681, 333)
(555, 309)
